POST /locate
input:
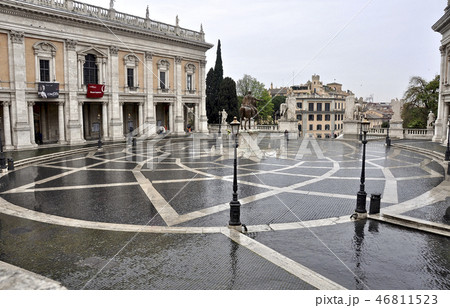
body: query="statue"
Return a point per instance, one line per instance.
(111, 4)
(397, 109)
(431, 119)
(224, 117)
(147, 13)
(177, 21)
(283, 112)
(357, 110)
(248, 109)
(349, 107)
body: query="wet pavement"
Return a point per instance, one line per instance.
(156, 216)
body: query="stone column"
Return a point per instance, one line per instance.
(121, 119)
(80, 116)
(171, 116)
(197, 117)
(7, 126)
(62, 134)
(19, 108)
(31, 121)
(203, 120)
(178, 129)
(116, 122)
(105, 120)
(438, 125)
(74, 133)
(149, 110)
(141, 118)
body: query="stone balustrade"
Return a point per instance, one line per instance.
(122, 18)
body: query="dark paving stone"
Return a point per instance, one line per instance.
(274, 179)
(77, 163)
(172, 175)
(109, 155)
(26, 176)
(433, 212)
(220, 171)
(75, 257)
(161, 166)
(381, 256)
(370, 173)
(264, 167)
(322, 163)
(409, 189)
(345, 187)
(436, 167)
(126, 205)
(193, 196)
(117, 165)
(90, 177)
(408, 172)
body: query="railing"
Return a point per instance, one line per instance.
(267, 127)
(377, 131)
(112, 15)
(414, 133)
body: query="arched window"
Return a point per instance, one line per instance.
(90, 69)
(327, 126)
(319, 126)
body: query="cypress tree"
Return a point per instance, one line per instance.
(210, 101)
(213, 81)
(228, 99)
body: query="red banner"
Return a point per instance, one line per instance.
(95, 90)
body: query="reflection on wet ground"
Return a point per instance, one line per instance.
(180, 183)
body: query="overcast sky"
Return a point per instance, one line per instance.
(372, 47)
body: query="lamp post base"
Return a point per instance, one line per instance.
(447, 155)
(388, 141)
(361, 202)
(235, 214)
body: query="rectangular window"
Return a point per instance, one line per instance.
(44, 67)
(299, 117)
(311, 107)
(327, 106)
(319, 117)
(310, 117)
(130, 77)
(299, 105)
(189, 82)
(335, 117)
(311, 127)
(90, 70)
(327, 117)
(319, 106)
(162, 80)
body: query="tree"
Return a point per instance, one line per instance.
(213, 80)
(265, 108)
(420, 97)
(249, 83)
(277, 101)
(228, 99)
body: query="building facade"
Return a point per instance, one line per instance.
(70, 71)
(441, 125)
(320, 108)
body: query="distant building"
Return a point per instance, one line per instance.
(320, 108)
(378, 113)
(441, 125)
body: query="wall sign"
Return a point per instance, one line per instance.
(95, 90)
(48, 89)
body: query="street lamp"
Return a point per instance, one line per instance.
(388, 139)
(362, 195)
(2, 155)
(447, 153)
(235, 205)
(99, 131)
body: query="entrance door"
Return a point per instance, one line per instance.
(130, 117)
(162, 116)
(92, 119)
(45, 122)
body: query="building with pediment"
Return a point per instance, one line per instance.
(69, 69)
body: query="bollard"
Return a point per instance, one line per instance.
(375, 201)
(448, 168)
(10, 164)
(133, 142)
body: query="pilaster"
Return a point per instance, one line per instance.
(19, 109)
(115, 119)
(7, 126)
(203, 121)
(178, 129)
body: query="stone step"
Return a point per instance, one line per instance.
(413, 223)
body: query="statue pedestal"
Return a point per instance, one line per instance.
(351, 129)
(396, 129)
(290, 126)
(248, 144)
